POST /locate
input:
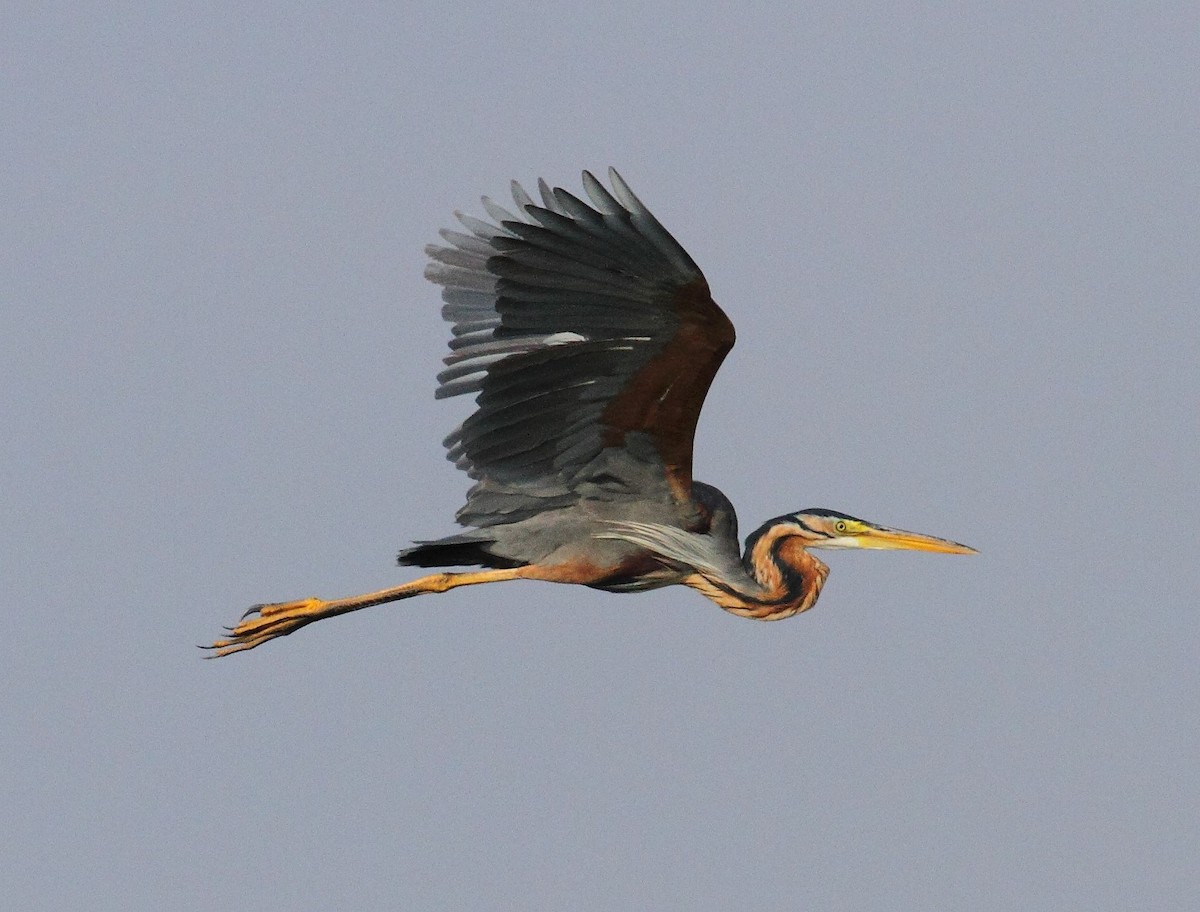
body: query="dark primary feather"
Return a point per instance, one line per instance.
(574, 325)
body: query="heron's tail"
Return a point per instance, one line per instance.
(455, 551)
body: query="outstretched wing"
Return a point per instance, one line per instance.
(576, 326)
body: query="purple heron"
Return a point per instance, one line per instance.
(589, 339)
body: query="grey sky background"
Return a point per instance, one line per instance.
(959, 245)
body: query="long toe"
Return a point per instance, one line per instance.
(268, 622)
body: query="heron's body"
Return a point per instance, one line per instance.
(589, 339)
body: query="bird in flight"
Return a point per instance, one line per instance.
(589, 339)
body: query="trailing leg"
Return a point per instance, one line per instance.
(267, 622)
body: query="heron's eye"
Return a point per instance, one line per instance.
(840, 525)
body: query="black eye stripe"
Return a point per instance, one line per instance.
(807, 528)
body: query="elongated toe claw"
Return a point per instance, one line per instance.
(266, 622)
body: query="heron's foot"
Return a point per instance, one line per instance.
(266, 622)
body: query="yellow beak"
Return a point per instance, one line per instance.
(897, 539)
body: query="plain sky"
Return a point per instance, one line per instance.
(959, 243)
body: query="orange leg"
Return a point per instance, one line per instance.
(266, 622)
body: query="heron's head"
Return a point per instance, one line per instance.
(822, 528)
